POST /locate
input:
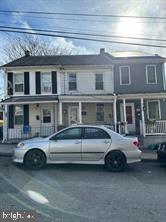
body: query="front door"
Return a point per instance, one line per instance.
(130, 117)
(73, 115)
(47, 122)
(66, 145)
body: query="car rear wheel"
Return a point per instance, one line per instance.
(115, 161)
(35, 159)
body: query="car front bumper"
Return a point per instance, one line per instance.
(18, 155)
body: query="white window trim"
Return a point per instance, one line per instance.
(18, 93)
(103, 82)
(120, 69)
(103, 111)
(42, 92)
(147, 74)
(147, 105)
(68, 74)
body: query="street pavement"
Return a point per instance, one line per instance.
(88, 193)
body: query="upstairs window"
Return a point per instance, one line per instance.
(19, 115)
(99, 82)
(72, 82)
(125, 75)
(153, 110)
(100, 112)
(19, 82)
(151, 77)
(46, 85)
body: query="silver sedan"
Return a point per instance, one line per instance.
(79, 144)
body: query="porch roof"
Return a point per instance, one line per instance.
(30, 99)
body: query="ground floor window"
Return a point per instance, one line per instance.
(19, 115)
(100, 112)
(153, 110)
(46, 116)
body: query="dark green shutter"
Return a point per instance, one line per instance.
(26, 115)
(54, 82)
(26, 83)
(38, 83)
(10, 83)
(11, 117)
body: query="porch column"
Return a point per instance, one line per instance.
(143, 117)
(60, 113)
(115, 113)
(80, 112)
(124, 115)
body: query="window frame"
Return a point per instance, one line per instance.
(18, 115)
(158, 101)
(46, 73)
(16, 83)
(54, 136)
(148, 74)
(72, 73)
(103, 112)
(120, 70)
(83, 136)
(46, 116)
(98, 81)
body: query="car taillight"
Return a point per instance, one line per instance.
(136, 143)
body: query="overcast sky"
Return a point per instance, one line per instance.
(115, 26)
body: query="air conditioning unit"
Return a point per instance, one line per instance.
(47, 89)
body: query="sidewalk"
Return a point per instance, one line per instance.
(147, 155)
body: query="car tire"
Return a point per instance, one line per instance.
(115, 161)
(35, 159)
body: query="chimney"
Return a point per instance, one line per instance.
(27, 53)
(102, 50)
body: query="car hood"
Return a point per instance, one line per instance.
(35, 140)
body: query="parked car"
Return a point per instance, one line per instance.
(79, 144)
(161, 152)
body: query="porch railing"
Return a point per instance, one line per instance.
(156, 128)
(27, 132)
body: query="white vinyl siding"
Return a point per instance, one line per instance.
(86, 82)
(151, 76)
(125, 75)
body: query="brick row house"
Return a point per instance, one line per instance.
(45, 93)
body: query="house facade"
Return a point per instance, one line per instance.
(46, 93)
(140, 84)
(43, 94)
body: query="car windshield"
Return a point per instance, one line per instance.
(82, 110)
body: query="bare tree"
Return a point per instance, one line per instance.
(16, 47)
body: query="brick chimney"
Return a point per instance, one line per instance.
(27, 53)
(102, 50)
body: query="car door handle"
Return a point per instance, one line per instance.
(106, 141)
(78, 142)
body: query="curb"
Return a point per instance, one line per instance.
(148, 160)
(6, 154)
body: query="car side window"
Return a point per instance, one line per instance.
(69, 134)
(95, 133)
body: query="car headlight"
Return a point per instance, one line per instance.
(20, 145)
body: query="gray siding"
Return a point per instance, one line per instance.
(138, 79)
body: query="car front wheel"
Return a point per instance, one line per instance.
(115, 161)
(35, 159)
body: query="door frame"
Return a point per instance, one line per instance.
(52, 115)
(69, 108)
(132, 104)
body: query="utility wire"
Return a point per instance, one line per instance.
(87, 20)
(83, 14)
(81, 33)
(83, 38)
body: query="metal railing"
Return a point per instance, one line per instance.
(27, 132)
(156, 128)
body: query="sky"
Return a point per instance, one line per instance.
(149, 28)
